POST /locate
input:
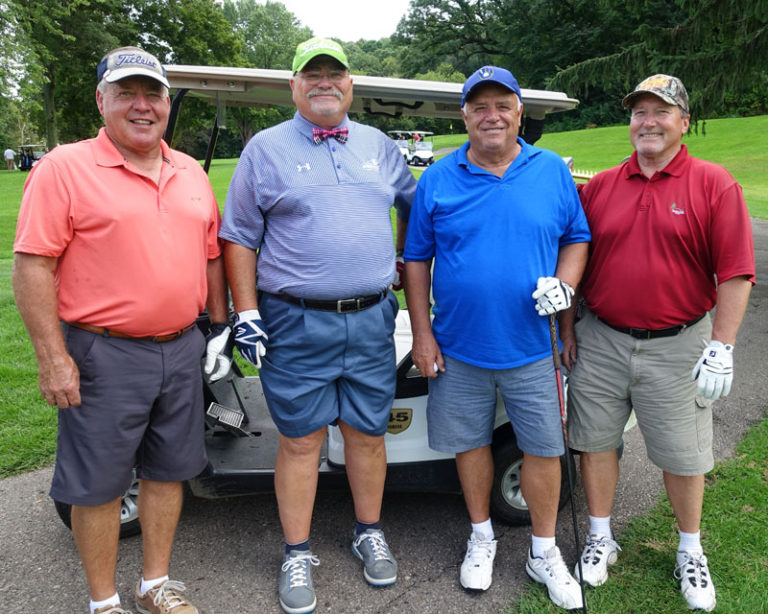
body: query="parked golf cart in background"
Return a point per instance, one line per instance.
(415, 145)
(241, 440)
(401, 138)
(420, 149)
(29, 154)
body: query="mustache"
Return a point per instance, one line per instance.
(318, 91)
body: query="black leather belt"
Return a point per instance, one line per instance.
(644, 333)
(345, 305)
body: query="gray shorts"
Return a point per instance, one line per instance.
(461, 410)
(142, 406)
(615, 373)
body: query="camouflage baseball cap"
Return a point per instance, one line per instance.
(670, 89)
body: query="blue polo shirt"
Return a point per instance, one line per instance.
(319, 214)
(492, 238)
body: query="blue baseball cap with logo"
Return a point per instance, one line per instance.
(490, 74)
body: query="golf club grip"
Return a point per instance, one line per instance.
(553, 340)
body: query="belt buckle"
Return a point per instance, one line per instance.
(354, 305)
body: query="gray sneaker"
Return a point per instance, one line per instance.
(380, 567)
(296, 592)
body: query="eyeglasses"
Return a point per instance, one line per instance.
(313, 77)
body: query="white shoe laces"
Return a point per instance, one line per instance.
(557, 568)
(591, 554)
(378, 545)
(479, 550)
(167, 596)
(694, 568)
(298, 567)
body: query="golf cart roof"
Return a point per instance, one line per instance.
(260, 87)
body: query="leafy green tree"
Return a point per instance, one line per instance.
(188, 32)
(65, 43)
(269, 32)
(377, 58)
(718, 49)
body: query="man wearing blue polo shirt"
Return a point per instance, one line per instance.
(310, 203)
(502, 221)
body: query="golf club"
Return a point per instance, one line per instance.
(568, 457)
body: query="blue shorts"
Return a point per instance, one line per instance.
(323, 366)
(461, 410)
(142, 406)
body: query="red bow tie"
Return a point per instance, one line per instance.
(340, 134)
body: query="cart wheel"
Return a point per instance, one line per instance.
(129, 511)
(507, 502)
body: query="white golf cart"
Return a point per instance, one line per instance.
(241, 439)
(401, 138)
(415, 145)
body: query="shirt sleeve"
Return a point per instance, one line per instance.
(45, 224)
(420, 238)
(403, 180)
(243, 221)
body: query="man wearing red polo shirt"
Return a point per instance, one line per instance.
(116, 253)
(671, 239)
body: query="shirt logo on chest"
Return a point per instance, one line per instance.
(676, 210)
(371, 165)
(303, 167)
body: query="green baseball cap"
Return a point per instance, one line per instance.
(318, 46)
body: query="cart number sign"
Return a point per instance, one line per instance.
(399, 420)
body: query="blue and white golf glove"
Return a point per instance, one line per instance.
(552, 295)
(218, 351)
(251, 336)
(714, 371)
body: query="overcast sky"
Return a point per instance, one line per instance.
(349, 20)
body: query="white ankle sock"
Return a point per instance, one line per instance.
(147, 585)
(690, 542)
(483, 529)
(539, 545)
(600, 526)
(113, 600)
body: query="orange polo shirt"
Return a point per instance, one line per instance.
(132, 255)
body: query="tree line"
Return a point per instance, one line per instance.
(595, 50)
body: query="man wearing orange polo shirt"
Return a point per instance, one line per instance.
(116, 253)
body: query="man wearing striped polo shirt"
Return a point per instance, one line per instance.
(309, 203)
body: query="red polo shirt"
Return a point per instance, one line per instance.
(658, 242)
(132, 255)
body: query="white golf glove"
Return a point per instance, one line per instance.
(714, 371)
(251, 336)
(397, 283)
(552, 295)
(218, 351)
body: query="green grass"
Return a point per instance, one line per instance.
(737, 144)
(733, 533)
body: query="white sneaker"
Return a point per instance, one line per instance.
(564, 590)
(599, 552)
(695, 581)
(477, 568)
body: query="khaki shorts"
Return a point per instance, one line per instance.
(615, 373)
